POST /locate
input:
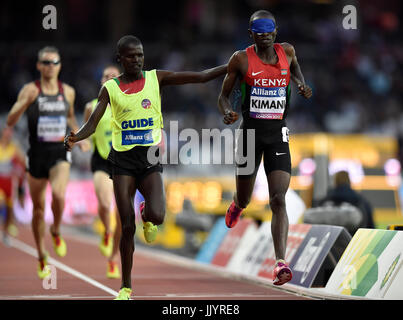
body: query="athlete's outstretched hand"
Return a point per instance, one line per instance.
(305, 90)
(69, 141)
(230, 117)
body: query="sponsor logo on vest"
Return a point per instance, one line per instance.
(51, 106)
(137, 137)
(256, 73)
(268, 92)
(139, 123)
(51, 128)
(270, 82)
(146, 104)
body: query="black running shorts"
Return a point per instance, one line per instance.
(100, 164)
(41, 159)
(273, 146)
(133, 163)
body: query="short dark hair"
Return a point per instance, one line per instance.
(126, 41)
(47, 49)
(261, 13)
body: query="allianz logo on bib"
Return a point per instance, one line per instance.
(268, 92)
(138, 123)
(270, 82)
(137, 137)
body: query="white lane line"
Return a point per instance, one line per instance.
(188, 263)
(32, 251)
(185, 262)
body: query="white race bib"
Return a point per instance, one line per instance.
(51, 128)
(267, 103)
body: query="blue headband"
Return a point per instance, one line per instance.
(263, 25)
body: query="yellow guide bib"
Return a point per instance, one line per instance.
(102, 137)
(136, 118)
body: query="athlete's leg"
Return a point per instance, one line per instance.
(58, 178)
(37, 189)
(244, 190)
(242, 196)
(246, 183)
(116, 237)
(278, 182)
(125, 189)
(104, 191)
(9, 219)
(152, 189)
(112, 268)
(6, 193)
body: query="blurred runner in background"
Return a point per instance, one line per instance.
(49, 105)
(12, 174)
(100, 166)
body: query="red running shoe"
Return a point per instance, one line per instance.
(232, 215)
(141, 209)
(281, 273)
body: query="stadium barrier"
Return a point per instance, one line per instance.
(312, 250)
(236, 239)
(318, 254)
(371, 266)
(213, 241)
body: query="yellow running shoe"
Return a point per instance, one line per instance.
(150, 230)
(124, 294)
(106, 245)
(113, 270)
(59, 245)
(43, 268)
(12, 230)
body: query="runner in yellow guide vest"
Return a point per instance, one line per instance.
(135, 102)
(100, 166)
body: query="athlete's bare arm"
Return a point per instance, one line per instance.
(70, 94)
(71, 118)
(91, 124)
(87, 111)
(296, 73)
(26, 97)
(236, 69)
(184, 77)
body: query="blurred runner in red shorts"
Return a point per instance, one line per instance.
(12, 169)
